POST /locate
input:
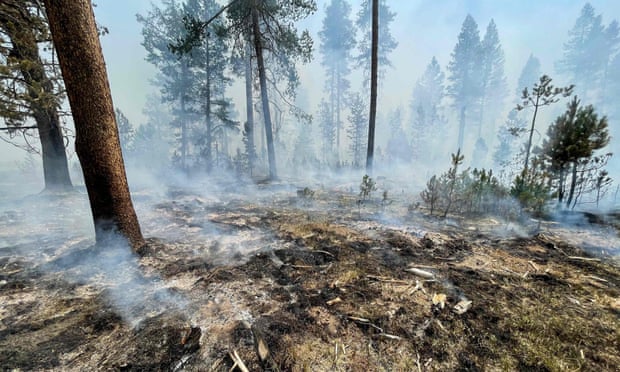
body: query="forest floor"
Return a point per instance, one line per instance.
(314, 281)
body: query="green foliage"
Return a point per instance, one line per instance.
(469, 192)
(542, 94)
(531, 189)
(570, 145)
(29, 80)
(367, 186)
(387, 43)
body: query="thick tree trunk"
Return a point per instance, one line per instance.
(74, 32)
(41, 99)
(373, 86)
(271, 155)
(55, 165)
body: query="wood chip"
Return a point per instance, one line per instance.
(439, 299)
(462, 306)
(334, 301)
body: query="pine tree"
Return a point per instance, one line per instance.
(358, 129)
(507, 134)
(30, 85)
(543, 94)
(426, 115)
(398, 147)
(337, 42)
(177, 75)
(582, 62)
(573, 137)
(270, 26)
(529, 75)
(465, 75)
(126, 133)
(611, 81)
(494, 87)
(387, 43)
(328, 134)
(74, 32)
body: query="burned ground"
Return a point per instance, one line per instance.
(319, 282)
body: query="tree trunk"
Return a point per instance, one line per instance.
(249, 110)
(271, 155)
(73, 28)
(461, 137)
(55, 165)
(573, 184)
(184, 141)
(562, 179)
(373, 86)
(41, 100)
(528, 149)
(209, 140)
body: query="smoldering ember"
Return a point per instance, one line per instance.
(309, 186)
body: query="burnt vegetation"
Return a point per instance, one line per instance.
(266, 247)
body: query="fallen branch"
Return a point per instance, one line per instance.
(238, 362)
(598, 279)
(365, 321)
(420, 272)
(389, 336)
(584, 258)
(387, 280)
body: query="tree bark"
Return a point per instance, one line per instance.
(271, 155)
(461, 137)
(97, 144)
(249, 110)
(528, 149)
(209, 140)
(373, 86)
(573, 184)
(41, 100)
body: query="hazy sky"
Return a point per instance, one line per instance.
(423, 28)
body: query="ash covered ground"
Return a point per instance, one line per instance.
(292, 276)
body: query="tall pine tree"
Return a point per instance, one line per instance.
(337, 42)
(387, 43)
(582, 63)
(529, 75)
(494, 87)
(426, 116)
(465, 86)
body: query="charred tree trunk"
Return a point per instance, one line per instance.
(271, 155)
(74, 32)
(373, 86)
(42, 101)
